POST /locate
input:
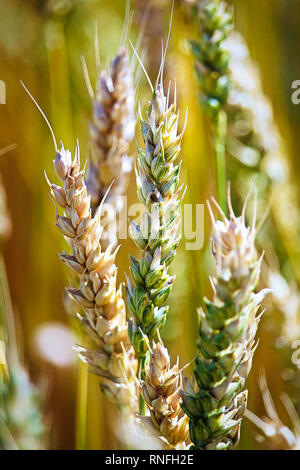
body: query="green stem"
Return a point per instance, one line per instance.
(220, 133)
(142, 361)
(142, 406)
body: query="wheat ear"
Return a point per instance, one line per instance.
(156, 235)
(211, 65)
(104, 317)
(160, 390)
(226, 343)
(112, 129)
(214, 23)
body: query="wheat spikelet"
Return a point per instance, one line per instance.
(112, 129)
(104, 317)
(226, 343)
(160, 390)
(156, 235)
(275, 434)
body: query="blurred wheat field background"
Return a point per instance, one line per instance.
(41, 43)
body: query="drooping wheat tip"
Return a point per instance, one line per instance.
(227, 329)
(157, 233)
(274, 434)
(214, 23)
(160, 390)
(112, 129)
(104, 318)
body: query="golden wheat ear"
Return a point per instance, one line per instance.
(103, 317)
(161, 392)
(112, 128)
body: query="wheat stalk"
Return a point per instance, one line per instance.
(156, 235)
(160, 390)
(227, 331)
(5, 220)
(112, 129)
(104, 317)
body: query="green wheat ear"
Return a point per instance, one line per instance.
(158, 190)
(214, 21)
(215, 405)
